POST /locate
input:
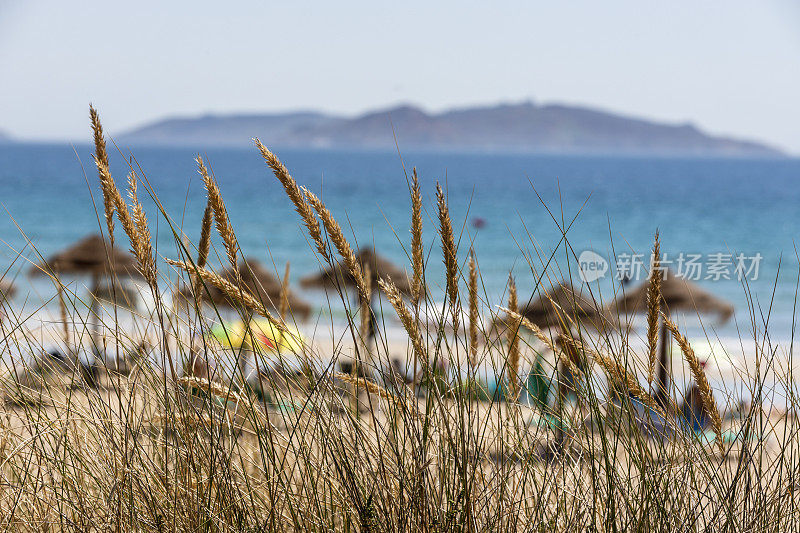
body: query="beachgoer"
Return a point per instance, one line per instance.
(693, 410)
(538, 384)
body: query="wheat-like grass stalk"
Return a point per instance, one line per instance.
(373, 388)
(338, 239)
(513, 340)
(120, 207)
(473, 311)
(110, 189)
(706, 395)
(449, 254)
(143, 248)
(416, 240)
(283, 308)
(365, 311)
(211, 387)
(618, 373)
(204, 246)
(236, 293)
(653, 309)
(220, 215)
(135, 227)
(101, 156)
(99, 139)
(297, 197)
(410, 325)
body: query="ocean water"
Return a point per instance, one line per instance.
(512, 209)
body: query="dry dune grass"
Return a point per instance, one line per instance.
(286, 450)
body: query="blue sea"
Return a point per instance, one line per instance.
(512, 209)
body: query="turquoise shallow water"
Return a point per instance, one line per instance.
(700, 206)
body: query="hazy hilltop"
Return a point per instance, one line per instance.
(228, 129)
(523, 127)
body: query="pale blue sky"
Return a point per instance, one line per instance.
(729, 66)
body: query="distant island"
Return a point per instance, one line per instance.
(521, 127)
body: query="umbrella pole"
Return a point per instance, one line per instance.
(662, 392)
(62, 308)
(94, 314)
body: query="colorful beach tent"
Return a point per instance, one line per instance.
(258, 335)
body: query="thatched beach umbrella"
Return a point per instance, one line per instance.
(262, 284)
(677, 294)
(562, 300)
(561, 305)
(91, 256)
(374, 267)
(380, 268)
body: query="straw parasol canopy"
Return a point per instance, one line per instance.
(677, 294)
(380, 267)
(563, 300)
(91, 255)
(261, 283)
